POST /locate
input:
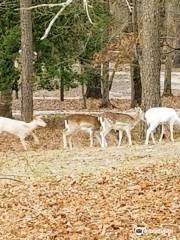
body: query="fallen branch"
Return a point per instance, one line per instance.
(12, 179)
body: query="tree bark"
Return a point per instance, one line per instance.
(6, 103)
(27, 61)
(177, 53)
(61, 83)
(84, 96)
(136, 88)
(105, 85)
(150, 65)
(170, 32)
(167, 76)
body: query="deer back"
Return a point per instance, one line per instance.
(84, 120)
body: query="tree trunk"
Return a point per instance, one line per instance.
(150, 65)
(177, 34)
(61, 83)
(170, 32)
(84, 96)
(167, 76)
(136, 88)
(177, 53)
(83, 85)
(27, 62)
(105, 85)
(6, 103)
(93, 85)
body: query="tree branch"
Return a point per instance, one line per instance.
(65, 4)
(12, 179)
(129, 6)
(167, 44)
(85, 3)
(50, 5)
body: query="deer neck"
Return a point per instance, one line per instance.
(136, 119)
(32, 125)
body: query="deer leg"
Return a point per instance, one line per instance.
(153, 139)
(149, 131)
(65, 138)
(171, 130)
(103, 134)
(162, 133)
(129, 137)
(91, 135)
(98, 137)
(23, 143)
(36, 140)
(70, 141)
(120, 137)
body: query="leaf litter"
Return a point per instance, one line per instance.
(88, 193)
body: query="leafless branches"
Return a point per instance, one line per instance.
(63, 6)
(129, 6)
(67, 3)
(50, 5)
(12, 179)
(85, 3)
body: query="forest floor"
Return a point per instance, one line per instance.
(88, 193)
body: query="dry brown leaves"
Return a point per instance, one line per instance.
(107, 206)
(92, 104)
(120, 48)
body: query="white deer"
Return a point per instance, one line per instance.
(21, 129)
(81, 122)
(119, 122)
(160, 115)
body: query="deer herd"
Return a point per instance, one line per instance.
(98, 126)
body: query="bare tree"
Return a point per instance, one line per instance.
(27, 61)
(150, 64)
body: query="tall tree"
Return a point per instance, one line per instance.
(150, 65)
(105, 67)
(27, 62)
(105, 85)
(177, 53)
(136, 88)
(170, 33)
